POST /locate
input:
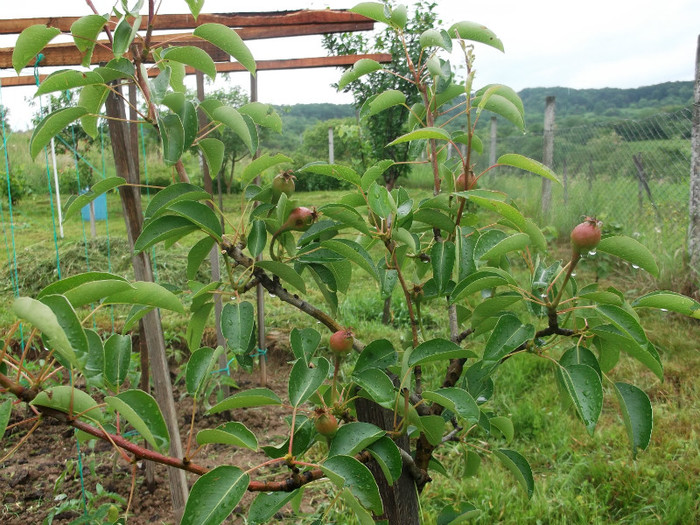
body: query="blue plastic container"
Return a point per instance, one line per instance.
(100, 204)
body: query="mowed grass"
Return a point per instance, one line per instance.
(579, 479)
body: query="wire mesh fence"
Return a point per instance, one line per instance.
(632, 174)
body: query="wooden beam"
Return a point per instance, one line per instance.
(66, 54)
(229, 67)
(185, 21)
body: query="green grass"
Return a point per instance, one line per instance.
(579, 479)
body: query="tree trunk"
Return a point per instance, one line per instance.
(400, 499)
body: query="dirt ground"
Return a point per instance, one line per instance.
(43, 473)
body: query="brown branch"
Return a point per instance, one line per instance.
(273, 286)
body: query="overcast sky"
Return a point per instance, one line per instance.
(585, 44)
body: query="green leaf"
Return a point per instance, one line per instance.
(166, 228)
(257, 166)
(97, 189)
(378, 103)
(501, 106)
(181, 191)
(238, 326)
(644, 352)
(637, 414)
(585, 389)
(214, 496)
(43, 318)
(227, 40)
(337, 171)
(197, 323)
(146, 293)
(257, 238)
(51, 125)
(69, 400)
(505, 210)
(141, 411)
(123, 35)
(199, 368)
(504, 426)
(434, 38)
(304, 343)
(263, 115)
(231, 433)
(346, 471)
(266, 504)
(195, 7)
(379, 354)
(451, 516)
(354, 437)
(200, 215)
(5, 412)
(304, 381)
(434, 218)
(284, 272)
(255, 397)
(477, 281)
(493, 306)
(524, 163)
(71, 325)
(92, 98)
(519, 467)
(197, 254)
(68, 79)
(503, 91)
(511, 243)
(631, 251)
(387, 455)
(213, 151)
(380, 201)
(192, 56)
(432, 427)
(230, 117)
(117, 356)
(667, 300)
(347, 215)
(362, 67)
(475, 32)
(377, 385)
(422, 134)
(456, 400)
(30, 42)
(508, 334)
(436, 350)
(442, 259)
(353, 252)
(172, 134)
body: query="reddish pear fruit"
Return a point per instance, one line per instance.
(326, 424)
(586, 235)
(341, 341)
(300, 219)
(466, 181)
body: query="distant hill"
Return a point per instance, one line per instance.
(610, 102)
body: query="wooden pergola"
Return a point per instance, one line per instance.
(249, 26)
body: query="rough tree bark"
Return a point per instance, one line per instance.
(694, 222)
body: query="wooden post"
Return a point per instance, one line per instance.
(494, 131)
(547, 155)
(131, 206)
(214, 254)
(144, 382)
(259, 290)
(694, 222)
(93, 229)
